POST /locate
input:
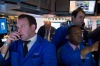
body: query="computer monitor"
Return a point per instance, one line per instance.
(3, 26)
(56, 24)
(87, 6)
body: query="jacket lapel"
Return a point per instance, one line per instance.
(20, 51)
(20, 47)
(35, 45)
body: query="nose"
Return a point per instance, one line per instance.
(80, 35)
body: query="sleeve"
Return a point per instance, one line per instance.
(4, 61)
(59, 35)
(1, 58)
(93, 62)
(7, 56)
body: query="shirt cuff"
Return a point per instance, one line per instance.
(6, 56)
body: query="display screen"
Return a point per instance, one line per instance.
(3, 25)
(56, 24)
(87, 6)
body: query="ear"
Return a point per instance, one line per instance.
(33, 27)
(72, 17)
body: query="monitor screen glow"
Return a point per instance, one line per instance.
(56, 24)
(87, 6)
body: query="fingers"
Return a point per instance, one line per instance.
(95, 46)
(13, 37)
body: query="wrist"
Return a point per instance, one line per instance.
(90, 49)
(6, 44)
(84, 52)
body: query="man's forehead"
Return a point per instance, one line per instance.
(76, 28)
(81, 14)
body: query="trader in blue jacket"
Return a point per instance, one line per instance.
(59, 37)
(73, 53)
(38, 51)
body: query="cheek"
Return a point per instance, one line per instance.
(79, 39)
(76, 37)
(78, 20)
(25, 31)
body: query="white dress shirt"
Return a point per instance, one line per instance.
(32, 41)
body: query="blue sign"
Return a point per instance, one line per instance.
(3, 25)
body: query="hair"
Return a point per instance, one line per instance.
(75, 12)
(69, 31)
(31, 19)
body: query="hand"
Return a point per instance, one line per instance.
(91, 48)
(13, 37)
(94, 47)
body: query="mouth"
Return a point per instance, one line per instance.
(79, 39)
(21, 36)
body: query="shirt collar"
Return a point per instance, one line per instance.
(34, 38)
(73, 46)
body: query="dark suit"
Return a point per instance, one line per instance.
(70, 57)
(42, 31)
(42, 53)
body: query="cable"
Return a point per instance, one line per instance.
(4, 58)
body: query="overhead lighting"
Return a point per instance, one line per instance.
(48, 15)
(2, 14)
(16, 16)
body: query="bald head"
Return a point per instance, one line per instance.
(47, 25)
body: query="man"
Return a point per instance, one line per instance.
(46, 31)
(93, 37)
(73, 53)
(39, 51)
(78, 16)
(85, 34)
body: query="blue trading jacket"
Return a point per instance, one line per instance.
(42, 53)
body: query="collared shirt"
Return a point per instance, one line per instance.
(73, 46)
(33, 40)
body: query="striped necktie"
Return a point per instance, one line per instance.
(47, 32)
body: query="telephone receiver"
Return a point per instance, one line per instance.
(19, 35)
(16, 29)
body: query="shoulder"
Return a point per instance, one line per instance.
(62, 29)
(65, 47)
(53, 27)
(44, 42)
(42, 27)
